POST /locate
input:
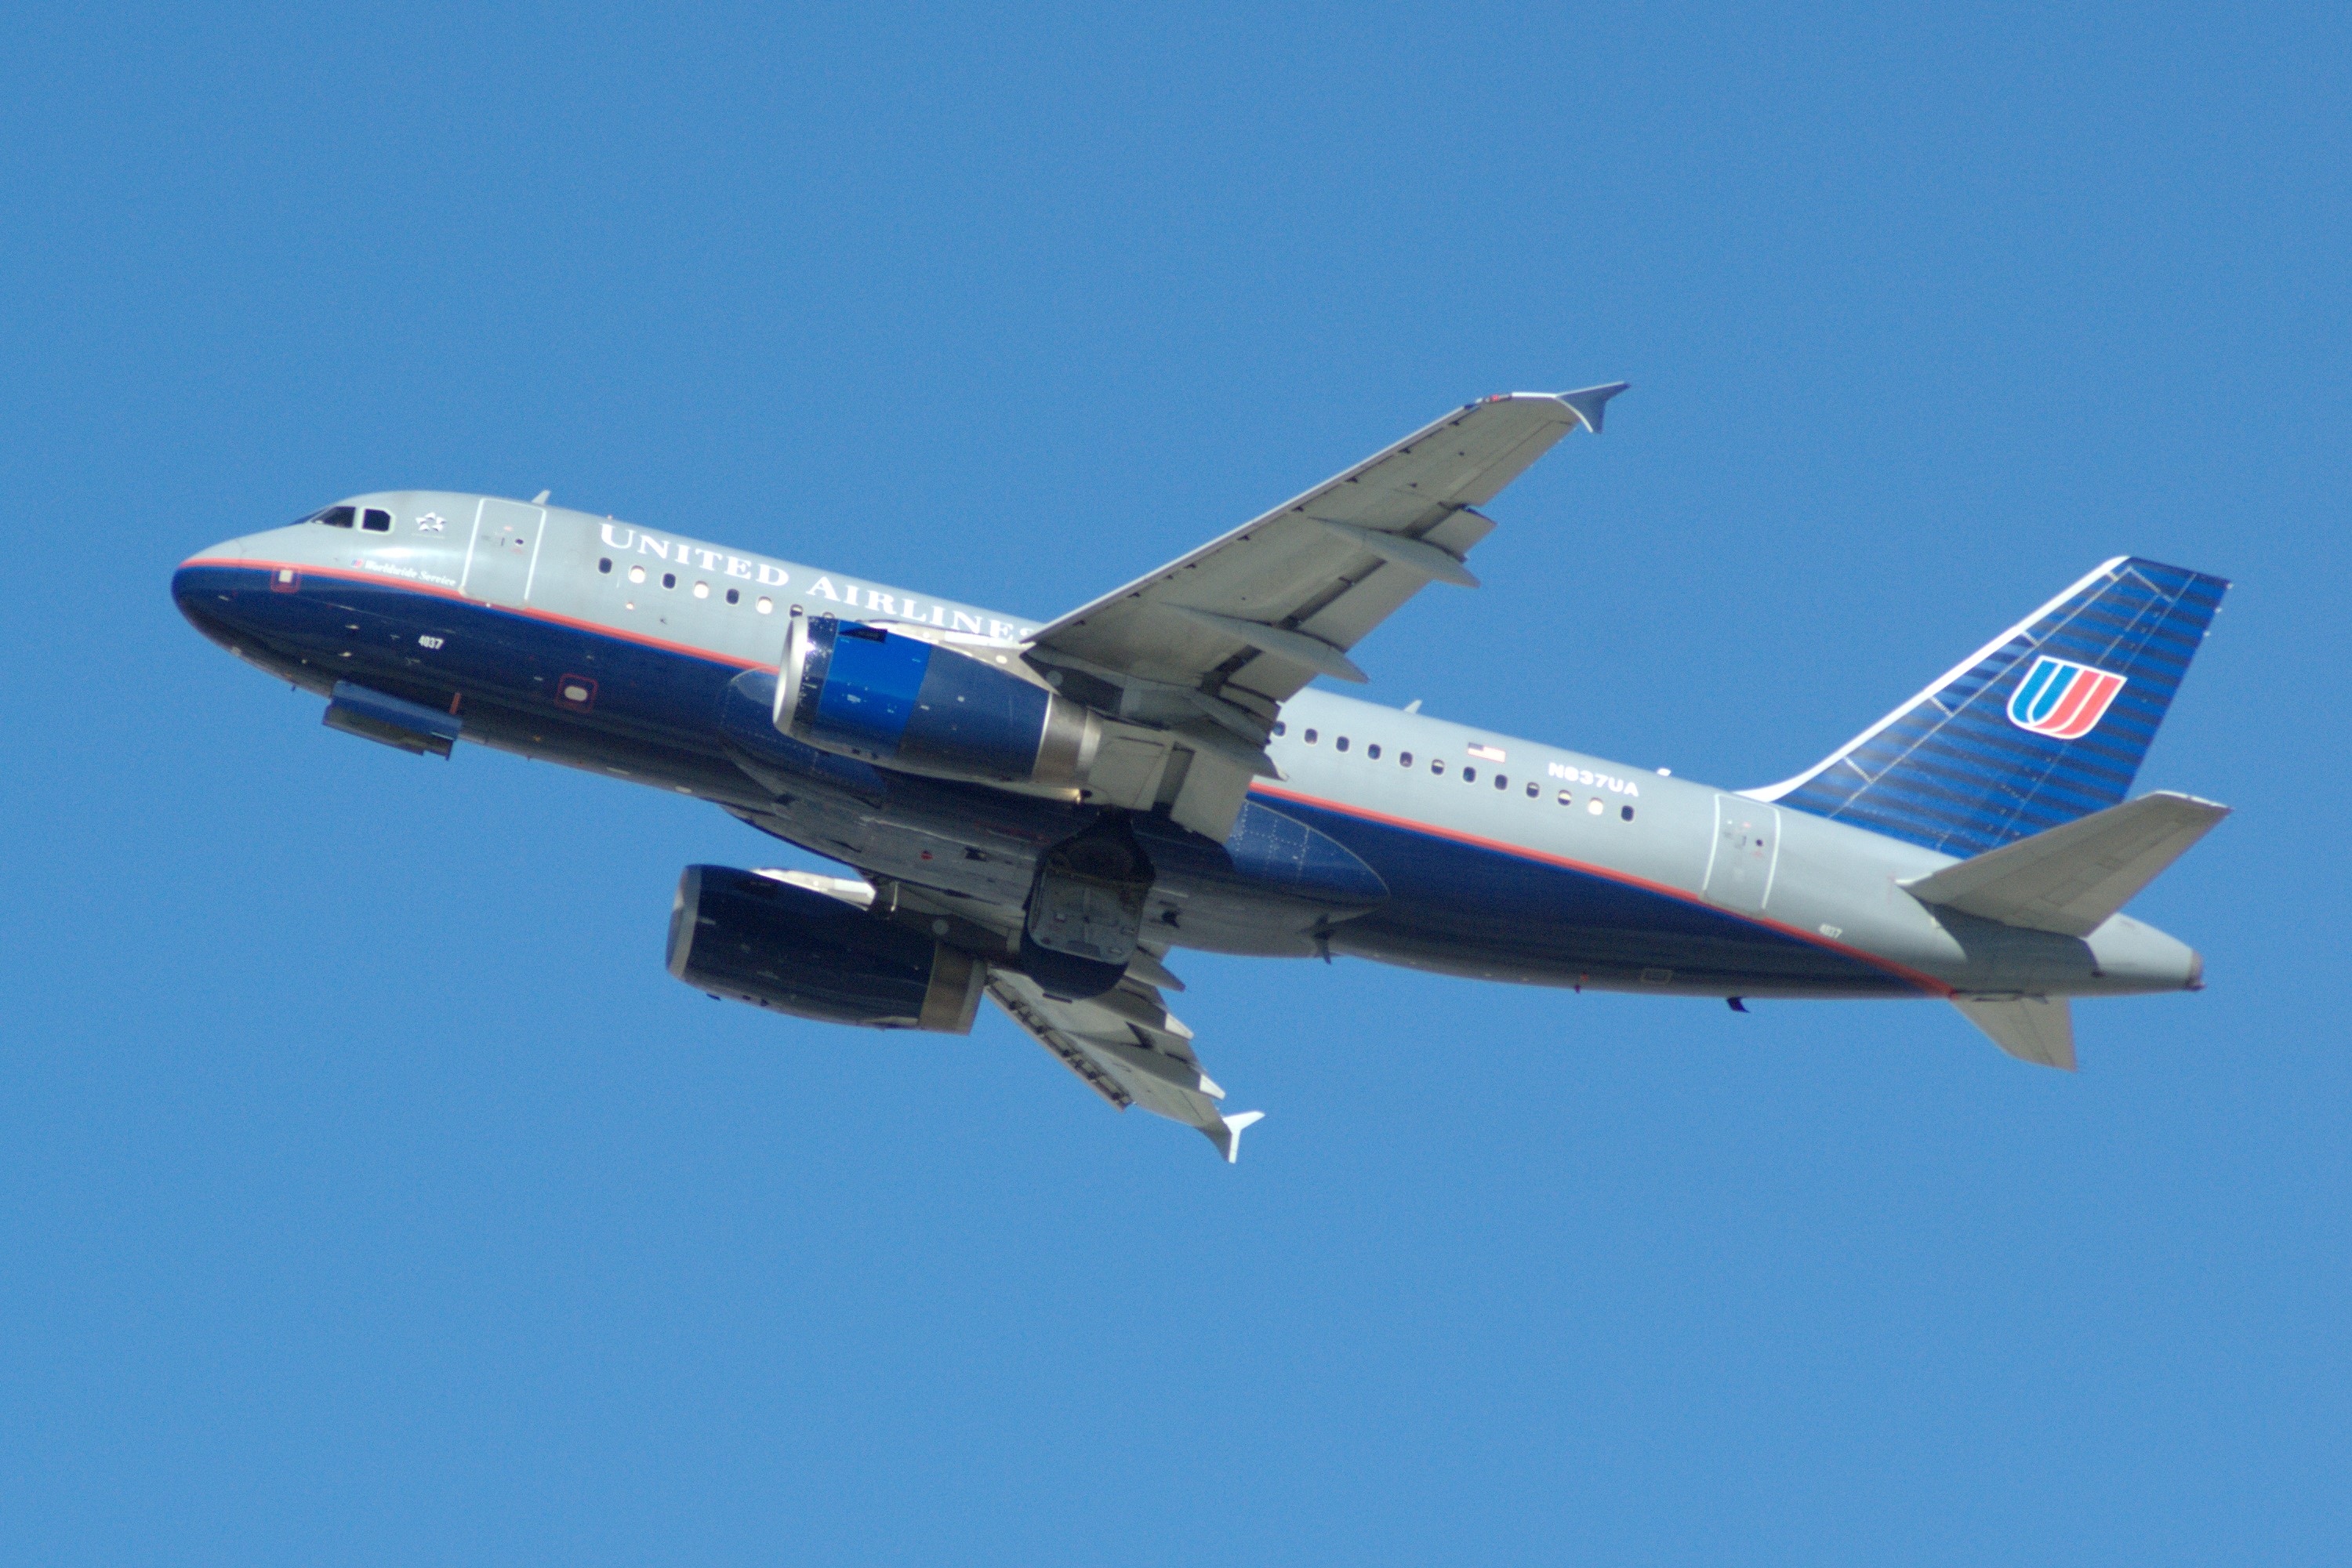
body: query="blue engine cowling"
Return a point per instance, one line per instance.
(755, 939)
(871, 692)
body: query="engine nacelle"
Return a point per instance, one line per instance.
(755, 939)
(871, 692)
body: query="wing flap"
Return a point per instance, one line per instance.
(1024, 1004)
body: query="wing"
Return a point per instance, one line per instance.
(1125, 1044)
(1128, 1048)
(1209, 647)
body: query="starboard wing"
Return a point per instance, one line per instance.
(1212, 644)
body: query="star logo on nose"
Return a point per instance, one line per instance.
(431, 522)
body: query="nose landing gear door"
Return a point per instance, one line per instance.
(502, 558)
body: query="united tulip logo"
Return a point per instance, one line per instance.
(2060, 699)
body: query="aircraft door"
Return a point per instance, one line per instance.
(502, 559)
(1745, 852)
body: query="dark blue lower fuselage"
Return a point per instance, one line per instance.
(1301, 874)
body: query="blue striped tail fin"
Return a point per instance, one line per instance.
(2047, 722)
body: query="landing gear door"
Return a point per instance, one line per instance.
(502, 559)
(1089, 895)
(1746, 853)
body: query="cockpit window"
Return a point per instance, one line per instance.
(376, 522)
(334, 517)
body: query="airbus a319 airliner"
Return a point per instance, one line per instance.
(1041, 814)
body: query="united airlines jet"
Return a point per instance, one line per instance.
(1042, 815)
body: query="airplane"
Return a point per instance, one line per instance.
(1042, 814)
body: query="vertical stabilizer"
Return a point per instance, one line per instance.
(2047, 722)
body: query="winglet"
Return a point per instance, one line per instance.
(1589, 402)
(1227, 1133)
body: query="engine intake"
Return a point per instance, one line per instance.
(754, 939)
(871, 692)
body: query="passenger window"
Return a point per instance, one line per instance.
(1437, 766)
(1308, 737)
(338, 517)
(1565, 798)
(669, 579)
(1627, 813)
(1534, 789)
(1280, 728)
(1502, 781)
(376, 522)
(702, 590)
(636, 574)
(1404, 759)
(734, 595)
(1341, 744)
(1469, 775)
(1593, 806)
(766, 603)
(605, 565)
(1373, 751)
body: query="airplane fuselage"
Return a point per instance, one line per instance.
(1392, 836)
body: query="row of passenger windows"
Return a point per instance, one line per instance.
(1534, 791)
(375, 519)
(764, 605)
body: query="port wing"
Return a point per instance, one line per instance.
(1128, 1048)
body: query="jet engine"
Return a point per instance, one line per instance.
(871, 692)
(790, 949)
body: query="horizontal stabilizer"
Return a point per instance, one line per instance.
(2038, 1029)
(2070, 877)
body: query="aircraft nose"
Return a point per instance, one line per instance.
(197, 587)
(221, 555)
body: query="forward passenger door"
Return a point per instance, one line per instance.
(502, 557)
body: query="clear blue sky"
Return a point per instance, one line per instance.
(368, 1192)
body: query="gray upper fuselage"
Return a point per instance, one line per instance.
(1461, 827)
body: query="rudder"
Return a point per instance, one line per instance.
(2046, 724)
